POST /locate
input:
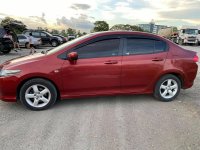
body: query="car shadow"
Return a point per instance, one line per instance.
(107, 100)
(85, 102)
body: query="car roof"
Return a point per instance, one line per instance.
(136, 33)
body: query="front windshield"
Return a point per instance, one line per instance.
(191, 31)
(61, 47)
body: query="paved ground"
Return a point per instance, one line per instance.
(105, 123)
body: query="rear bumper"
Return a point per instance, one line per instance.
(8, 88)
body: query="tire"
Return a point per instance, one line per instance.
(38, 94)
(6, 51)
(165, 90)
(27, 45)
(54, 43)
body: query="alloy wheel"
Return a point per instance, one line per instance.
(37, 96)
(169, 88)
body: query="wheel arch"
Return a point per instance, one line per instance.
(36, 77)
(178, 74)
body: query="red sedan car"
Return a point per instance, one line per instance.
(105, 63)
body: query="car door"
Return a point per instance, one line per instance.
(45, 38)
(142, 62)
(97, 70)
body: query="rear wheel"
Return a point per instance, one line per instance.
(38, 94)
(167, 88)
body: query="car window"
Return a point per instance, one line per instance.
(144, 46)
(103, 48)
(36, 34)
(139, 46)
(160, 46)
(2, 32)
(43, 34)
(21, 37)
(27, 32)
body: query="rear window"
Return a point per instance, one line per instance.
(144, 46)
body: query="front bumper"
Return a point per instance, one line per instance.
(190, 41)
(8, 89)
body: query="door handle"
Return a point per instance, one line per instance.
(157, 59)
(111, 62)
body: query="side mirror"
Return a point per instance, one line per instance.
(73, 56)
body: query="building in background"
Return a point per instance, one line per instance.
(152, 27)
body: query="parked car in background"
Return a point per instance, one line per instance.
(24, 41)
(46, 37)
(6, 45)
(104, 63)
(71, 37)
(198, 36)
(62, 38)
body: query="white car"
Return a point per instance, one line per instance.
(24, 41)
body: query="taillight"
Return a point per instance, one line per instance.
(196, 58)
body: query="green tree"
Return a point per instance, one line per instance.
(71, 31)
(84, 33)
(63, 33)
(79, 34)
(100, 26)
(54, 31)
(126, 27)
(14, 25)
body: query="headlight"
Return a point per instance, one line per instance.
(4, 73)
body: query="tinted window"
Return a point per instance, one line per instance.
(139, 46)
(36, 34)
(160, 46)
(43, 34)
(144, 46)
(27, 32)
(104, 48)
(2, 32)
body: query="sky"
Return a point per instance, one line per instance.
(81, 14)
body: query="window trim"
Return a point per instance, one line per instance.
(143, 37)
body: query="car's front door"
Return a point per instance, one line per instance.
(97, 70)
(142, 62)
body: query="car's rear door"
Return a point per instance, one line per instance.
(97, 70)
(143, 60)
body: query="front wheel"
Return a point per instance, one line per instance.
(38, 94)
(6, 51)
(167, 88)
(54, 43)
